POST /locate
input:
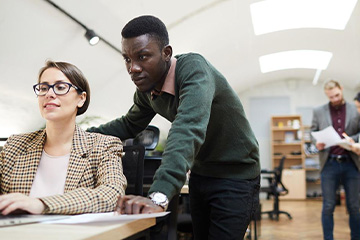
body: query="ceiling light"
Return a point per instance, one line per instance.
(92, 37)
(311, 59)
(276, 15)
(316, 77)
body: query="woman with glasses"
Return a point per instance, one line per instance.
(61, 169)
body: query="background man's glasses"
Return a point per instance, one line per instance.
(59, 88)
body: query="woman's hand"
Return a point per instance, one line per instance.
(18, 201)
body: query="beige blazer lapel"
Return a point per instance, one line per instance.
(26, 165)
(78, 160)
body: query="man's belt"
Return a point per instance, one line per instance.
(340, 158)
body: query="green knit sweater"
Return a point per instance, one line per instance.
(209, 133)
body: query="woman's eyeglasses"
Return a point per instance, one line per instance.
(59, 88)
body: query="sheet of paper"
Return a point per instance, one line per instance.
(104, 217)
(331, 138)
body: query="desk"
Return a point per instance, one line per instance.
(90, 231)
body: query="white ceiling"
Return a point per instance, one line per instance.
(32, 31)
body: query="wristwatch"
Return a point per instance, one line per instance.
(159, 199)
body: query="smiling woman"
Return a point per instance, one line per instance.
(61, 169)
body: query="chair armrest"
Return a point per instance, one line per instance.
(267, 171)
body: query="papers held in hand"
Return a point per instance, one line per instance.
(330, 137)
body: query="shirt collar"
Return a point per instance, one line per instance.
(169, 83)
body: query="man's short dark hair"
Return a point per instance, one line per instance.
(147, 25)
(357, 97)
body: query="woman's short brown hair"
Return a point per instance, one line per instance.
(75, 76)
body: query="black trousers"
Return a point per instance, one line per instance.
(221, 208)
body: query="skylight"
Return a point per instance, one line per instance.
(276, 15)
(295, 59)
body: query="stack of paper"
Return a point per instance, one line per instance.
(105, 217)
(330, 137)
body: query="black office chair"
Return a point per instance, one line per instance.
(149, 138)
(275, 188)
(133, 168)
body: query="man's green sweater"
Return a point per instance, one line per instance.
(209, 133)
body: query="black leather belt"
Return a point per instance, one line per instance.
(340, 158)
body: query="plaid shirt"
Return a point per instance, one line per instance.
(94, 177)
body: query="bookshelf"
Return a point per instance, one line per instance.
(312, 166)
(286, 134)
(287, 139)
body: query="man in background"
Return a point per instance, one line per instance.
(338, 165)
(209, 134)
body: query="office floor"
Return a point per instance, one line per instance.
(305, 225)
(306, 222)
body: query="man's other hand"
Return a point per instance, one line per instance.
(320, 146)
(130, 204)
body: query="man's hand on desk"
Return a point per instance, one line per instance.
(16, 201)
(130, 204)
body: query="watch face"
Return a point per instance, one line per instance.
(158, 197)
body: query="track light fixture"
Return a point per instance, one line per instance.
(90, 34)
(92, 37)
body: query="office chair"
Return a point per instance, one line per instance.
(133, 168)
(276, 188)
(149, 138)
(2, 140)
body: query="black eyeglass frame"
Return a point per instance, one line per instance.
(79, 90)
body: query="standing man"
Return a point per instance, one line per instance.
(337, 164)
(209, 134)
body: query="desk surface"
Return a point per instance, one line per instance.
(90, 231)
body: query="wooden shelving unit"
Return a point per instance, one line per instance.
(286, 134)
(286, 139)
(313, 183)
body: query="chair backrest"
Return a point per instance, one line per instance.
(2, 140)
(149, 138)
(133, 168)
(278, 174)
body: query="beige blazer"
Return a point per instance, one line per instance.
(94, 177)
